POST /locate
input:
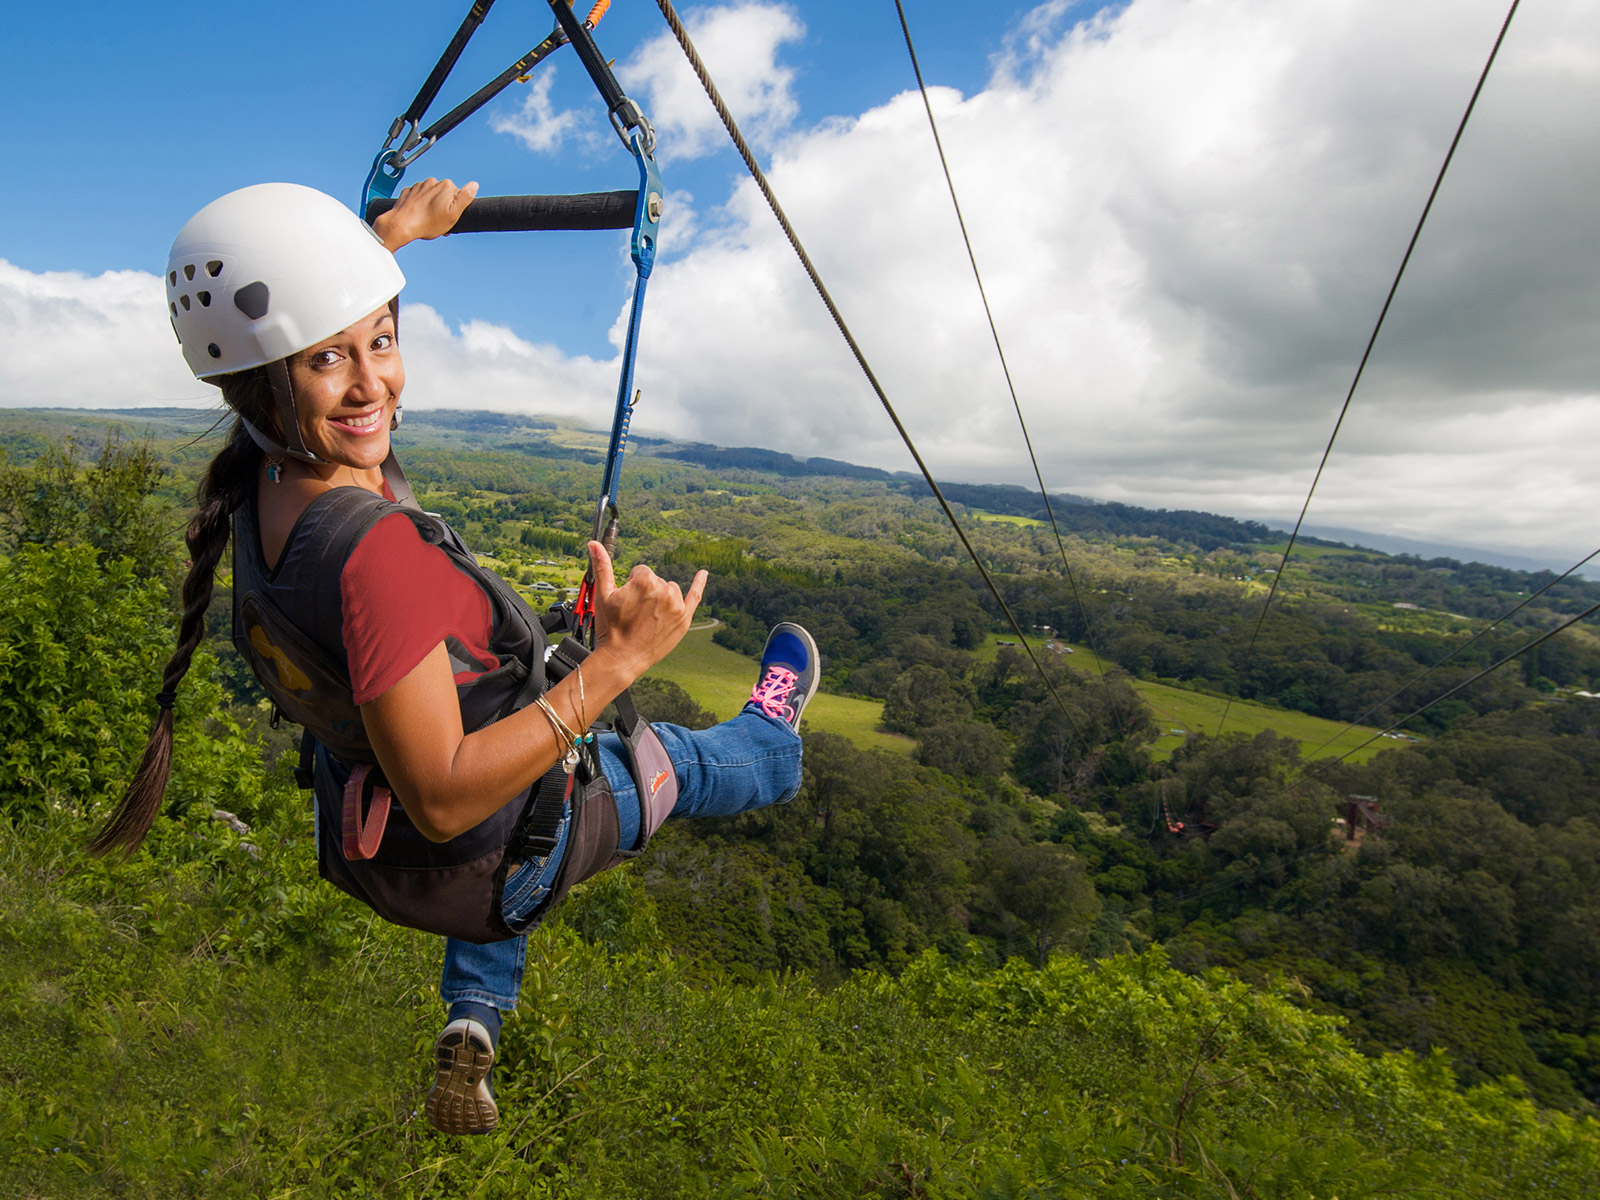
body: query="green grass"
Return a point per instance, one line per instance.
(225, 1027)
(719, 681)
(1198, 712)
(1304, 550)
(1082, 658)
(1006, 519)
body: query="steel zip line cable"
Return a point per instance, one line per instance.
(994, 332)
(728, 123)
(1426, 671)
(1371, 341)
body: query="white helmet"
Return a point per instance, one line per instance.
(269, 270)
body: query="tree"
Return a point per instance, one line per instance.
(1044, 885)
(662, 700)
(110, 505)
(966, 749)
(924, 697)
(81, 647)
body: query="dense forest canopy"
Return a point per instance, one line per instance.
(1461, 921)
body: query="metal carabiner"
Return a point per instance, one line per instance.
(627, 117)
(413, 148)
(389, 167)
(381, 180)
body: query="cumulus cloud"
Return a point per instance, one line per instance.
(482, 365)
(536, 123)
(73, 340)
(1187, 213)
(739, 45)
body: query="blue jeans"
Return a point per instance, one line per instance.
(741, 765)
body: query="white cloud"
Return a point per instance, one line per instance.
(739, 45)
(1187, 213)
(482, 365)
(536, 123)
(72, 340)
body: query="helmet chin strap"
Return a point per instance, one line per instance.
(283, 400)
(269, 447)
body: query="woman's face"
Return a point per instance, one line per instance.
(346, 389)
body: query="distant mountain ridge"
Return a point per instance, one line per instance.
(1074, 513)
(1431, 550)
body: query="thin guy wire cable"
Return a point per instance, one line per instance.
(1466, 645)
(760, 178)
(994, 332)
(1371, 341)
(1152, 905)
(1541, 639)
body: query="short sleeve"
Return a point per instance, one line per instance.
(401, 598)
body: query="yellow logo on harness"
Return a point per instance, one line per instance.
(291, 676)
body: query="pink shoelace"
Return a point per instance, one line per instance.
(772, 692)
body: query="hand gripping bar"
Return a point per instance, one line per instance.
(511, 214)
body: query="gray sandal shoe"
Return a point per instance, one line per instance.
(462, 1099)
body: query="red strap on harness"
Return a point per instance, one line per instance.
(583, 607)
(361, 840)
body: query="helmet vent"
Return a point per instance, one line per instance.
(204, 298)
(214, 350)
(188, 271)
(173, 307)
(214, 267)
(252, 300)
(172, 278)
(184, 300)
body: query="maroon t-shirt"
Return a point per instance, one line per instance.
(402, 597)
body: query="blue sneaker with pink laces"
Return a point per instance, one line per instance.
(790, 671)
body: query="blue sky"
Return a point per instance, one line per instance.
(139, 114)
(1187, 211)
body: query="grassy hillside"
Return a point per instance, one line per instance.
(1181, 712)
(208, 1023)
(719, 681)
(1196, 712)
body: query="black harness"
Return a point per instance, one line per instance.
(288, 624)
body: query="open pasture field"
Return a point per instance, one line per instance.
(1196, 712)
(1007, 519)
(1177, 708)
(719, 681)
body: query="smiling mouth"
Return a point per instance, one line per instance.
(366, 423)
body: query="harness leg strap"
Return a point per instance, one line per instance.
(655, 779)
(362, 838)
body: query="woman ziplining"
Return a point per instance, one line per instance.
(419, 676)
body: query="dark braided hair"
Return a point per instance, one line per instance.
(228, 482)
